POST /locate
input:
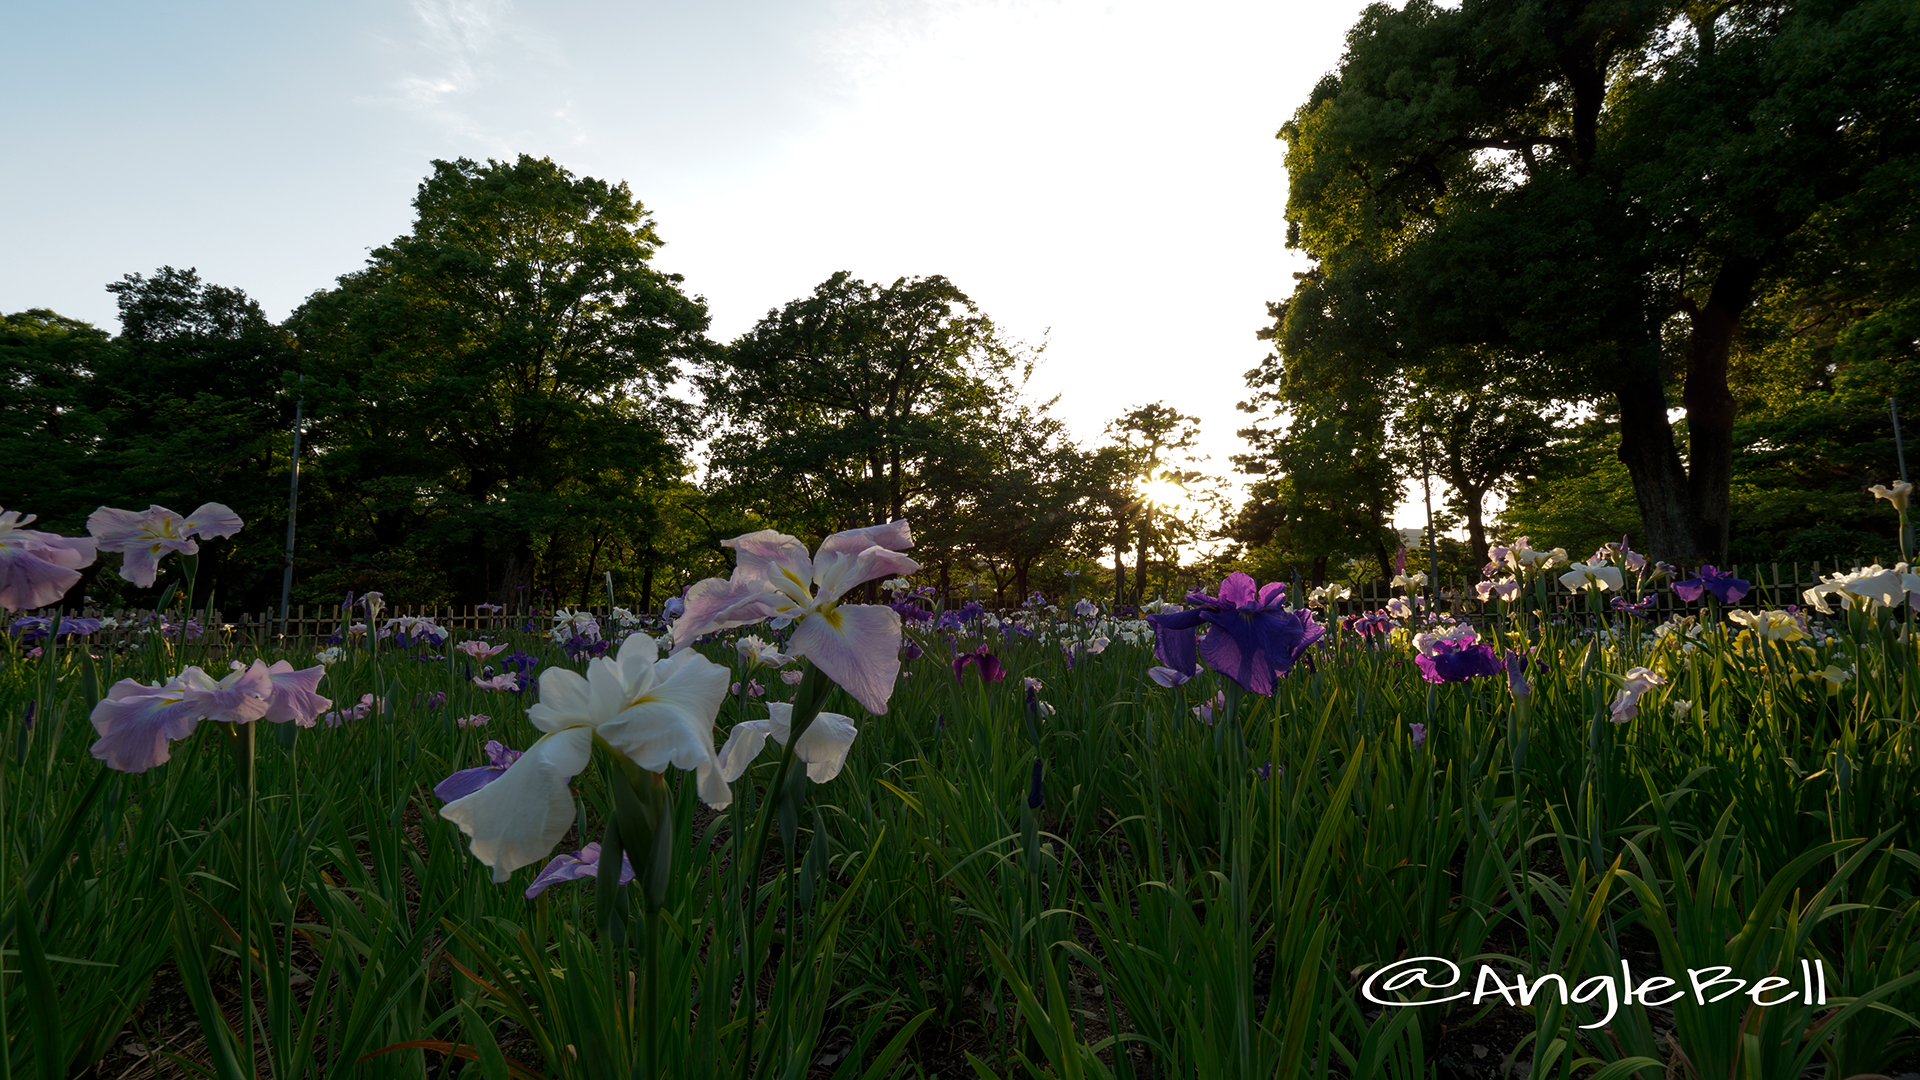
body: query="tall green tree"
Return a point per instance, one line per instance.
(48, 434)
(498, 380)
(1599, 191)
(837, 410)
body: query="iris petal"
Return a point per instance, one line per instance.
(857, 646)
(516, 820)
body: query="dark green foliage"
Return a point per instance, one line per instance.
(1600, 200)
(493, 389)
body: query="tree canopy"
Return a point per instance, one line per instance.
(1588, 200)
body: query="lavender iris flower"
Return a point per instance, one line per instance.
(467, 781)
(1418, 733)
(1252, 635)
(574, 866)
(1721, 583)
(989, 664)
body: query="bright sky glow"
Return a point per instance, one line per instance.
(1099, 176)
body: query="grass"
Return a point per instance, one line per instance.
(1165, 912)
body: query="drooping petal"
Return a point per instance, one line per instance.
(566, 700)
(824, 745)
(857, 646)
(135, 723)
(1248, 667)
(744, 743)
(293, 695)
(466, 782)
(27, 580)
(516, 820)
(212, 519)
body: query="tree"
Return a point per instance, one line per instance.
(1473, 439)
(1147, 436)
(47, 433)
(1599, 190)
(501, 375)
(834, 411)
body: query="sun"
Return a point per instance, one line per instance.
(1163, 493)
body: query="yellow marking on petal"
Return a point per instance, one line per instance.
(641, 700)
(791, 576)
(830, 612)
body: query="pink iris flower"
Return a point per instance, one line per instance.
(144, 537)
(37, 568)
(480, 650)
(855, 645)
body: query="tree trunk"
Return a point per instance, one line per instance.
(593, 563)
(1647, 449)
(646, 583)
(1709, 403)
(1476, 523)
(516, 577)
(1140, 559)
(1319, 573)
(1119, 578)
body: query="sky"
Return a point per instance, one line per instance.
(1102, 177)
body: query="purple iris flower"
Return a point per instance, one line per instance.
(1456, 661)
(1640, 610)
(989, 664)
(1721, 583)
(911, 650)
(431, 700)
(955, 618)
(32, 628)
(1251, 637)
(574, 866)
(1418, 733)
(1177, 651)
(467, 781)
(1368, 624)
(580, 645)
(523, 663)
(911, 612)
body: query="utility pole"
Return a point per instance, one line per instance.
(1900, 453)
(1433, 540)
(293, 504)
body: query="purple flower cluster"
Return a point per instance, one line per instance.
(32, 628)
(955, 618)
(1457, 657)
(1721, 583)
(1251, 635)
